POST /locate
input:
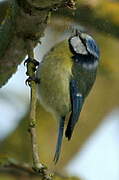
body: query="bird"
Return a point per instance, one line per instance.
(67, 74)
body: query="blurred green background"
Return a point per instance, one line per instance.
(100, 19)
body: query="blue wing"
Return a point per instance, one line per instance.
(76, 106)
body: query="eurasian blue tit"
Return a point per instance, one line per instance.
(67, 74)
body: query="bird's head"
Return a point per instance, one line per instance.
(83, 44)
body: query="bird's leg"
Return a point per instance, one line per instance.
(31, 68)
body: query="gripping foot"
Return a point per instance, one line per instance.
(28, 60)
(28, 81)
(34, 64)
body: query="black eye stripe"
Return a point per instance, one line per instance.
(84, 43)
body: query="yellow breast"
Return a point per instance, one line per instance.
(55, 73)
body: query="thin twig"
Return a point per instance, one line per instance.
(33, 100)
(37, 166)
(11, 166)
(8, 165)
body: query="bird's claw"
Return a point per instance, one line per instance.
(28, 81)
(30, 60)
(32, 65)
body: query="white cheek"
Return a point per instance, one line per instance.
(78, 46)
(90, 66)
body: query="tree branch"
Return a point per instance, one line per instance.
(10, 165)
(102, 18)
(24, 20)
(31, 69)
(3, 8)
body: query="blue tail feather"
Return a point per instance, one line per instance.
(59, 141)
